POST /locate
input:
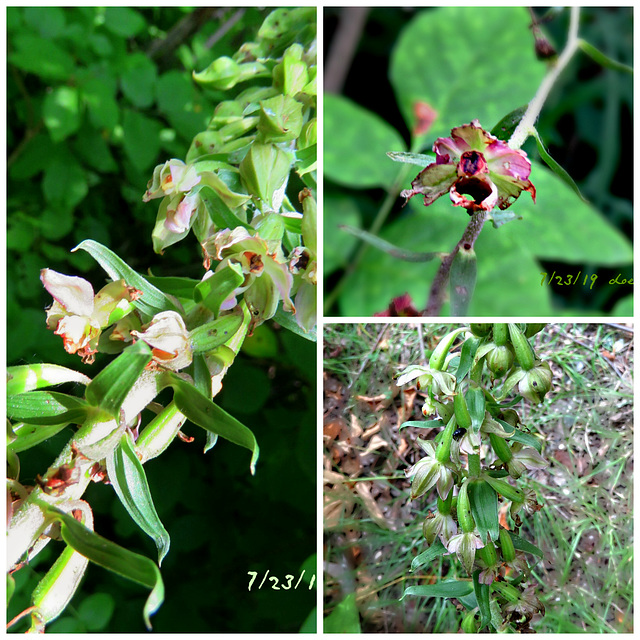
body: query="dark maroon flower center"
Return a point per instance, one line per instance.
(472, 163)
(477, 189)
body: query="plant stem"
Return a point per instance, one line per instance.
(521, 133)
(438, 286)
(474, 465)
(523, 130)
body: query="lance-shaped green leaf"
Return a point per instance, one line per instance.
(435, 550)
(213, 291)
(201, 411)
(29, 435)
(219, 211)
(111, 386)
(522, 545)
(484, 507)
(505, 128)
(387, 247)
(444, 589)
(476, 405)
(524, 438)
(174, 286)
(602, 59)
(288, 321)
(467, 354)
(215, 333)
(422, 424)
(151, 301)
(111, 556)
(47, 407)
(482, 592)
(555, 167)
(129, 481)
(27, 377)
(420, 159)
(462, 280)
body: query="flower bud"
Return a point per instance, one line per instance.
(264, 170)
(505, 489)
(280, 119)
(500, 360)
(480, 329)
(534, 327)
(469, 623)
(488, 554)
(536, 383)
(501, 447)
(465, 519)
(524, 353)
(463, 418)
(506, 546)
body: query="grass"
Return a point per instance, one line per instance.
(373, 529)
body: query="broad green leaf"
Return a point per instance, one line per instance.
(215, 333)
(624, 307)
(444, 589)
(50, 22)
(40, 56)
(559, 226)
(141, 139)
(461, 61)
(47, 408)
(201, 411)
(484, 507)
(101, 103)
(435, 550)
(505, 128)
(356, 142)
(288, 321)
(111, 556)
(522, 545)
(344, 618)
(129, 481)
(123, 21)
(65, 182)
(138, 80)
(420, 159)
(387, 247)
(422, 424)
(96, 610)
(213, 291)
(555, 167)
(174, 286)
(61, 112)
(29, 435)
(174, 91)
(111, 386)
(27, 377)
(338, 246)
(152, 300)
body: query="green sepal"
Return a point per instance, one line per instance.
(213, 334)
(288, 321)
(27, 377)
(476, 405)
(201, 411)
(152, 300)
(111, 386)
(506, 545)
(129, 481)
(463, 418)
(438, 358)
(111, 556)
(29, 435)
(501, 447)
(422, 424)
(280, 118)
(467, 354)
(213, 291)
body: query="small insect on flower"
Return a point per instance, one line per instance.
(458, 434)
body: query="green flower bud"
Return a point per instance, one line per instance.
(524, 353)
(481, 330)
(536, 383)
(308, 134)
(506, 546)
(465, 519)
(309, 220)
(501, 447)
(488, 554)
(500, 360)
(280, 119)
(463, 418)
(505, 489)
(445, 411)
(265, 170)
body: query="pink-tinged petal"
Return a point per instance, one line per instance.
(73, 293)
(179, 220)
(184, 177)
(77, 332)
(279, 274)
(432, 182)
(483, 192)
(506, 161)
(448, 150)
(510, 189)
(472, 136)
(444, 483)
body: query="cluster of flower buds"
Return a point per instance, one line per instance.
(474, 461)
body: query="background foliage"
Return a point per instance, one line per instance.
(373, 529)
(480, 63)
(95, 98)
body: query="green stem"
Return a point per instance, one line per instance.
(525, 126)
